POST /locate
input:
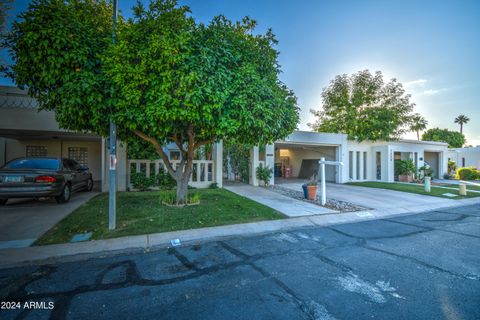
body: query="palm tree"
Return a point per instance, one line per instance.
(461, 120)
(418, 123)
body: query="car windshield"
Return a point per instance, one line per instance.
(33, 163)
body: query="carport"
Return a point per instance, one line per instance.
(433, 159)
(296, 157)
(300, 161)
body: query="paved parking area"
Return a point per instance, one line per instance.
(422, 266)
(22, 221)
(378, 199)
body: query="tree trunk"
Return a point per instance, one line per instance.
(461, 128)
(182, 190)
(418, 135)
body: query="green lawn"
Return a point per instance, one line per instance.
(414, 188)
(142, 213)
(469, 186)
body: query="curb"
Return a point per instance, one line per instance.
(82, 250)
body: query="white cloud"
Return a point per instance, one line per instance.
(433, 91)
(414, 83)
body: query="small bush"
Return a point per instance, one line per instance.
(452, 167)
(141, 182)
(170, 198)
(446, 176)
(164, 181)
(468, 174)
(264, 174)
(405, 167)
(213, 186)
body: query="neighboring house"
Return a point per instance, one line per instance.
(465, 157)
(299, 153)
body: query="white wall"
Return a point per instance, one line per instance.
(471, 156)
(388, 148)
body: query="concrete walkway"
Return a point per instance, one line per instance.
(22, 221)
(380, 199)
(286, 205)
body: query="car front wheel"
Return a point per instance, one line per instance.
(65, 195)
(89, 186)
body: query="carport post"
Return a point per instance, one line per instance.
(322, 172)
(112, 185)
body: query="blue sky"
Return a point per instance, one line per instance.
(432, 47)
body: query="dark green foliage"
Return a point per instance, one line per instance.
(264, 173)
(238, 156)
(165, 181)
(452, 167)
(140, 181)
(364, 107)
(140, 149)
(453, 138)
(470, 173)
(405, 167)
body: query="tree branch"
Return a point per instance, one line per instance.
(158, 148)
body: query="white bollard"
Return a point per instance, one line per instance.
(427, 184)
(462, 189)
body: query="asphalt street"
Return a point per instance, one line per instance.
(422, 266)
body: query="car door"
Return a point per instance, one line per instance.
(79, 177)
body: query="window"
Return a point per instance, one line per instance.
(36, 151)
(378, 158)
(364, 166)
(358, 166)
(463, 162)
(350, 165)
(79, 154)
(174, 155)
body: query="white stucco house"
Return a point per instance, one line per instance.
(364, 161)
(24, 131)
(465, 157)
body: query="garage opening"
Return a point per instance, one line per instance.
(432, 159)
(301, 162)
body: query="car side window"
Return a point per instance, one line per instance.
(75, 165)
(66, 164)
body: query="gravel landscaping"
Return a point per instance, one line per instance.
(337, 205)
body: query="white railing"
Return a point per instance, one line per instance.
(202, 171)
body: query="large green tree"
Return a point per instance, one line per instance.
(166, 79)
(453, 138)
(363, 106)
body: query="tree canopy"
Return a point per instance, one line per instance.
(166, 79)
(453, 138)
(363, 106)
(418, 123)
(461, 120)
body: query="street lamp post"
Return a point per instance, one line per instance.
(112, 205)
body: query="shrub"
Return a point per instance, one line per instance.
(141, 182)
(406, 167)
(264, 174)
(452, 167)
(214, 185)
(468, 174)
(446, 176)
(164, 180)
(170, 198)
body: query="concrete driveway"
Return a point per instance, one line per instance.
(379, 199)
(22, 221)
